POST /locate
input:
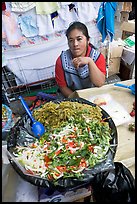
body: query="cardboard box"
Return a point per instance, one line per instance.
(116, 51)
(124, 16)
(126, 34)
(128, 28)
(126, 70)
(127, 6)
(114, 66)
(114, 58)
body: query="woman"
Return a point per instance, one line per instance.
(81, 66)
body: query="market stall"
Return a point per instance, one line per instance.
(28, 63)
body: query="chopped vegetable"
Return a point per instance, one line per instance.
(76, 139)
(131, 127)
(132, 113)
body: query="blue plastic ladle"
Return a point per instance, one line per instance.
(132, 87)
(37, 128)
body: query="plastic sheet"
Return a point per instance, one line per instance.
(117, 185)
(21, 134)
(8, 115)
(7, 122)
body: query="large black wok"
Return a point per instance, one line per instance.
(21, 134)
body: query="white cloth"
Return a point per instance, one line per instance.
(4, 61)
(58, 24)
(22, 6)
(8, 6)
(86, 11)
(95, 37)
(67, 16)
(36, 62)
(96, 5)
(44, 24)
(65, 3)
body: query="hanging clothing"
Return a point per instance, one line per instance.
(65, 3)
(96, 5)
(28, 23)
(28, 26)
(3, 6)
(57, 22)
(3, 29)
(106, 18)
(45, 25)
(86, 12)
(11, 29)
(8, 6)
(68, 14)
(22, 6)
(45, 8)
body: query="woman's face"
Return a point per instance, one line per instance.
(78, 43)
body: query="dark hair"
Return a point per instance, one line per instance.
(80, 26)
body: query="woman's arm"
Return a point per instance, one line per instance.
(96, 75)
(60, 79)
(66, 91)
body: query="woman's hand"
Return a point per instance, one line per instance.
(96, 76)
(80, 61)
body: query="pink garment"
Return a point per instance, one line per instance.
(3, 29)
(11, 29)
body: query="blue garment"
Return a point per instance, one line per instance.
(106, 18)
(28, 26)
